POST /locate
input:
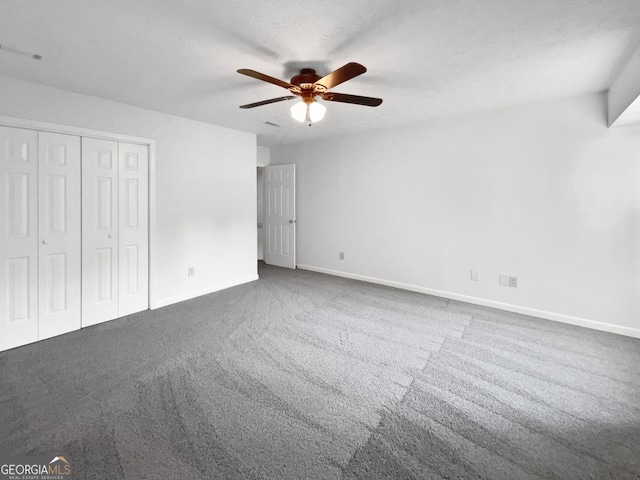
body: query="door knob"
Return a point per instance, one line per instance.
(111, 235)
(45, 242)
(292, 221)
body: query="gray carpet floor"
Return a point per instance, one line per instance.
(306, 376)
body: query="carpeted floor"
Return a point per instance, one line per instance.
(306, 376)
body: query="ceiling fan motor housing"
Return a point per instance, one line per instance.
(306, 78)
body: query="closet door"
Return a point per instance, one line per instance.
(99, 231)
(59, 234)
(18, 237)
(134, 229)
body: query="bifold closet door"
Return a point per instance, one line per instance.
(18, 237)
(74, 228)
(59, 250)
(99, 231)
(133, 221)
(115, 238)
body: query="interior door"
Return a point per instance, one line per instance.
(280, 215)
(59, 234)
(99, 231)
(133, 244)
(18, 237)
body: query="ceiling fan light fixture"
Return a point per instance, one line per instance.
(299, 111)
(308, 112)
(316, 111)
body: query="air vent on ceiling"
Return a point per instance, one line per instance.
(272, 124)
(17, 51)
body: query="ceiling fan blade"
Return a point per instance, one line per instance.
(344, 73)
(356, 99)
(267, 78)
(267, 102)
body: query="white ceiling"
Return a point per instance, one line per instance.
(425, 58)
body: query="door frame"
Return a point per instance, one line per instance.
(37, 125)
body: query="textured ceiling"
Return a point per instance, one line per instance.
(425, 58)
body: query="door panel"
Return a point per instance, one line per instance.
(99, 231)
(59, 234)
(133, 292)
(18, 294)
(18, 237)
(285, 247)
(279, 192)
(18, 204)
(104, 275)
(131, 267)
(105, 198)
(57, 291)
(56, 204)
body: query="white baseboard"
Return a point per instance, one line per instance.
(188, 296)
(557, 317)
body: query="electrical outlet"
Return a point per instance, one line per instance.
(508, 281)
(191, 271)
(341, 255)
(475, 276)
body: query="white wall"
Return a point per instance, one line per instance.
(264, 159)
(544, 192)
(205, 186)
(264, 156)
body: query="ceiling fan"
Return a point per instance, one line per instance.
(308, 85)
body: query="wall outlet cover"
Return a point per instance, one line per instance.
(508, 281)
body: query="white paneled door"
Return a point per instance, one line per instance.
(133, 244)
(18, 237)
(115, 238)
(99, 231)
(280, 215)
(59, 278)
